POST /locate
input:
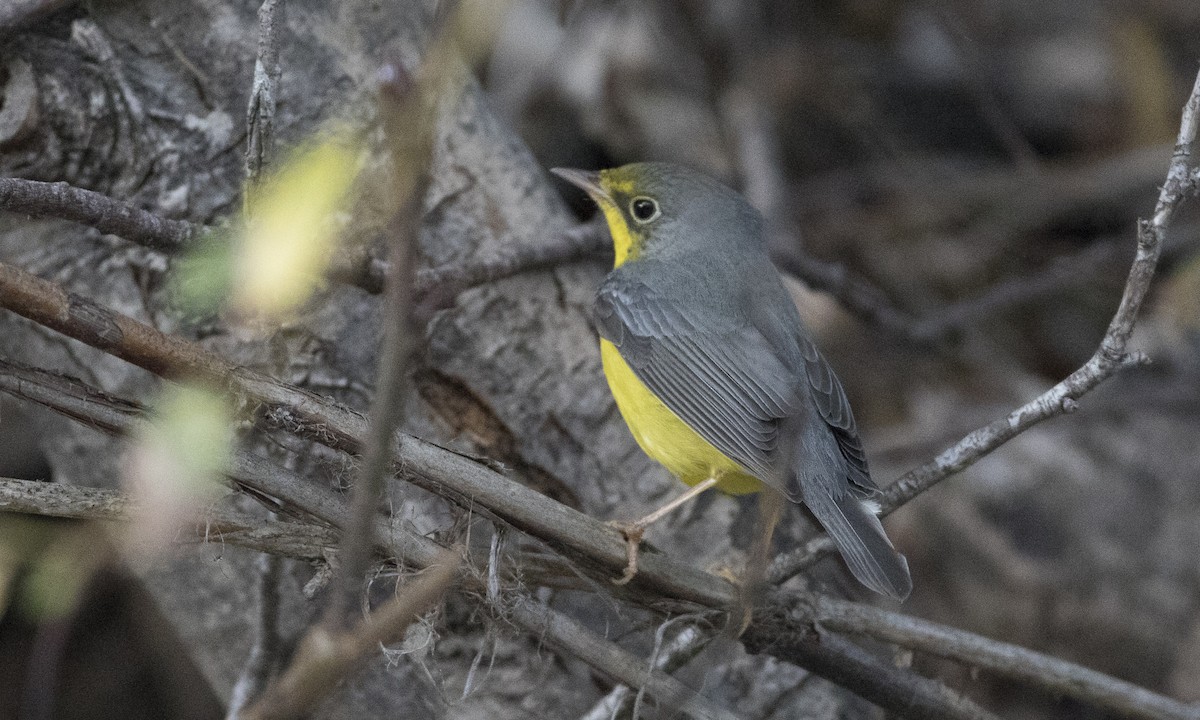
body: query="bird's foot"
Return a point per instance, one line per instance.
(632, 532)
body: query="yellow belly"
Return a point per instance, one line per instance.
(666, 438)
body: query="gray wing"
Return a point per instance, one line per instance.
(781, 325)
(834, 408)
(720, 377)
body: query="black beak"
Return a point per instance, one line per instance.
(586, 180)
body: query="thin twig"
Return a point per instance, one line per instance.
(856, 294)
(265, 649)
(619, 702)
(413, 112)
(260, 148)
(260, 111)
(324, 656)
(109, 216)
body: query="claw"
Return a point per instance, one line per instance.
(632, 532)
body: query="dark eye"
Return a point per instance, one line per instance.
(643, 209)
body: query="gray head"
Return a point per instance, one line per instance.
(657, 209)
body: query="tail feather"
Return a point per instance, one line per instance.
(860, 538)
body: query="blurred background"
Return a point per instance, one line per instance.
(975, 169)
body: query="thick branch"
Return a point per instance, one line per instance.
(787, 634)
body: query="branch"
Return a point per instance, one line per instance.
(781, 634)
(102, 412)
(260, 111)
(112, 415)
(410, 109)
(433, 286)
(1051, 674)
(786, 633)
(1108, 359)
(443, 472)
(303, 541)
(109, 216)
(324, 656)
(620, 701)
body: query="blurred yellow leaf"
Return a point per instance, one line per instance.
(289, 232)
(61, 571)
(202, 279)
(177, 462)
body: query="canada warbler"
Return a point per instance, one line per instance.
(711, 367)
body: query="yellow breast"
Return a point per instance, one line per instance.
(666, 438)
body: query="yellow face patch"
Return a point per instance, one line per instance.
(626, 243)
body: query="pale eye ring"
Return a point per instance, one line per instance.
(644, 209)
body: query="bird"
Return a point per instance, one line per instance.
(712, 369)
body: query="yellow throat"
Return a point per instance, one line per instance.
(661, 433)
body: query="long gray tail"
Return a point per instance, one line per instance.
(859, 537)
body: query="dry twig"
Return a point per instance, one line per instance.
(325, 656)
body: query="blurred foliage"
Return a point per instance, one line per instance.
(177, 463)
(45, 565)
(290, 229)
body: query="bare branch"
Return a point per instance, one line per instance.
(1034, 668)
(786, 633)
(432, 287)
(580, 241)
(441, 471)
(265, 650)
(325, 656)
(260, 112)
(410, 110)
(455, 477)
(303, 541)
(777, 631)
(109, 216)
(858, 296)
(619, 702)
